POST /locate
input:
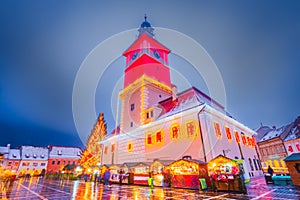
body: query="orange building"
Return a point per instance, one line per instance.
(60, 157)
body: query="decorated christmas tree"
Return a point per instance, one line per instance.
(92, 152)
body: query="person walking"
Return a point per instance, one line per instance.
(150, 181)
(120, 176)
(106, 177)
(270, 170)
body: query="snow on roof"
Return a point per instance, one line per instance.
(262, 131)
(185, 100)
(64, 152)
(3, 149)
(14, 154)
(273, 133)
(34, 153)
(293, 134)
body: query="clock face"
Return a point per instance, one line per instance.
(156, 54)
(134, 55)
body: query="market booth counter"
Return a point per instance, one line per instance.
(187, 173)
(157, 170)
(128, 169)
(141, 173)
(226, 175)
(114, 173)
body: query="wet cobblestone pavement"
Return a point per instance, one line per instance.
(37, 188)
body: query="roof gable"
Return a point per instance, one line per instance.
(187, 99)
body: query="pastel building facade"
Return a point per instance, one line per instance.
(12, 160)
(275, 144)
(4, 150)
(60, 157)
(34, 160)
(156, 122)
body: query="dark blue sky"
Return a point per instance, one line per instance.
(255, 45)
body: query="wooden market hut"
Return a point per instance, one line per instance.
(186, 173)
(293, 164)
(157, 170)
(226, 174)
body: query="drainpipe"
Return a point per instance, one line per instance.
(203, 148)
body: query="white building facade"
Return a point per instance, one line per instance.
(34, 160)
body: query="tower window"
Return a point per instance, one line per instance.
(132, 107)
(131, 124)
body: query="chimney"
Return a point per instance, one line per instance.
(174, 92)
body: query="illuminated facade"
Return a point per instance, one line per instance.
(156, 122)
(278, 143)
(34, 160)
(12, 160)
(60, 157)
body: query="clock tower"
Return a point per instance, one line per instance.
(147, 79)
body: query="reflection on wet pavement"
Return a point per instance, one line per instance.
(38, 188)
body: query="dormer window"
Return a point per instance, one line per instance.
(14, 155)
(59, 152)
(42, 156)
(27, 155)
(34, 155)
(78, 153)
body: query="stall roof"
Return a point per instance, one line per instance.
(189, 160)
(221, 156)
(164, 162)
(134, 164)
(293, 157)
(113, 165)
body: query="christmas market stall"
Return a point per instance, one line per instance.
(114, 173)
(157, 170)
(293, 164)
(141, 173)
(187, 172)
(226, 175)
(128, 172)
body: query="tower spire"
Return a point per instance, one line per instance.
(146, 27)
